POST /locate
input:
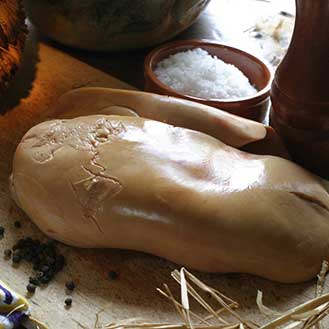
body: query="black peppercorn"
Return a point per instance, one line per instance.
(17, 224)
(45, 259)
(39, 275)
(45, 279)
(44, 268)
(16, 258)
(68, 301)
(34, 281)
(70, 285)
(28, 257)
(31, 288)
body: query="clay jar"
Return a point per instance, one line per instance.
(300, 90)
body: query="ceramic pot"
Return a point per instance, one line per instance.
(112, 25)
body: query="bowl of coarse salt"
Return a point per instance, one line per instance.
(210, 73)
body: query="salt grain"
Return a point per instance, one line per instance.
(197, 73)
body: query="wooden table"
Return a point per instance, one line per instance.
(47, 73)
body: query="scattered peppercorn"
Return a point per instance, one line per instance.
(113, 275)
(31, 288)
(70, 285)
(68, 301)
(46, 260)
(17, 224)
(7, 253)
(39, 275)
(34, 281)
(2, 231)
(44, 268)
(16, 258)
(45, 279)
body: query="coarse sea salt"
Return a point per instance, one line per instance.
(197, 73)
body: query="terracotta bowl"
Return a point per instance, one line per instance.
(260, 75)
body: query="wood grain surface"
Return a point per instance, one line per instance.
(45, 74)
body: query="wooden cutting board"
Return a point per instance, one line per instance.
(47, 73)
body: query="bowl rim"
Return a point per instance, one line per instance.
(197, 43)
